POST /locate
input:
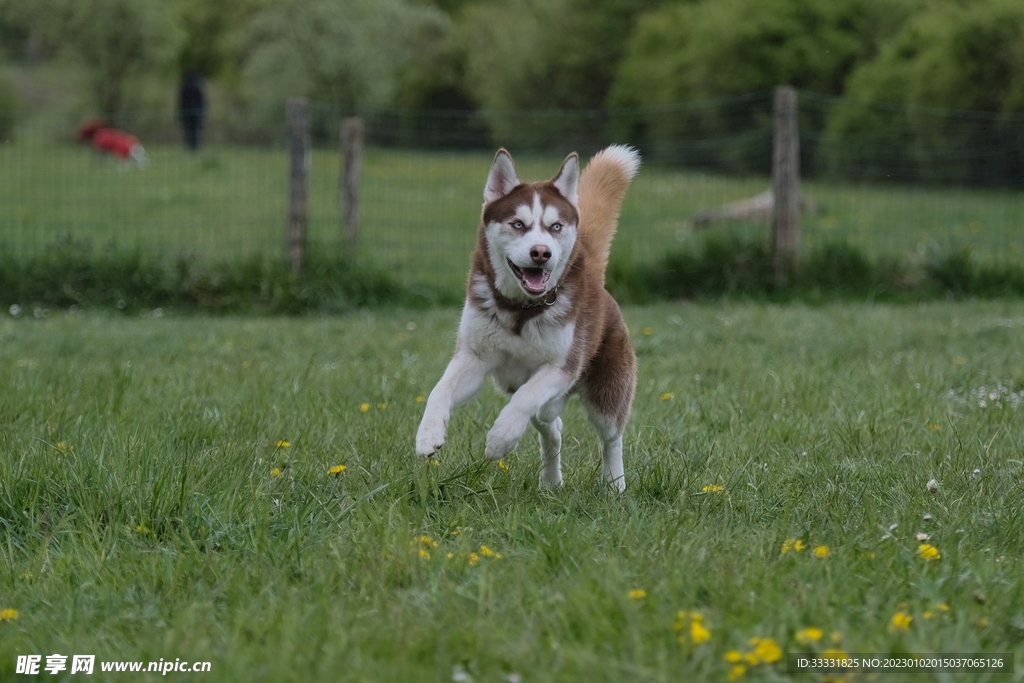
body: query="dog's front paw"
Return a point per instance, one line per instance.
(501, 440)
(430, 438)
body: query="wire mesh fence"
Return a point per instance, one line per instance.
(891, 181)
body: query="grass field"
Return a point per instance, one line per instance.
(170, 489)
(420, 210)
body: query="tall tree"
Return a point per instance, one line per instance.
(118, 40)
(545, 54)
(347, 52)
(729, 47)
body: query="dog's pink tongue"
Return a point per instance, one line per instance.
(534, 279)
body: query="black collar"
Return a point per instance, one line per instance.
(547, 300)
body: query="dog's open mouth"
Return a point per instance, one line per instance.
(533, 280)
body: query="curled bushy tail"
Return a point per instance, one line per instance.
(602, 187)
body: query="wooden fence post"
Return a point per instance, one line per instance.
(351, 171)
(785, 184)
(299, 158)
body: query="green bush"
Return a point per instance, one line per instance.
(709, 50)
(958, 274)
(731, 265)
(72, 273)
(544, 55)
(958, 56)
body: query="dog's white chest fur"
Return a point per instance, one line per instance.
(514, 358)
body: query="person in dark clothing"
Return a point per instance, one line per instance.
(191, 106)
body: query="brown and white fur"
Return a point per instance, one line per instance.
(537, 316)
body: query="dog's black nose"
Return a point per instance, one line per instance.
(540, 253)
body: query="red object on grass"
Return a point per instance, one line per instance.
(115, 141)
(105, 139)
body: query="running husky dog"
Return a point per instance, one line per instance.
(537, 316)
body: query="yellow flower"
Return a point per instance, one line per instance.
(648, 331)
(822, 551)
(737, 671)
(426, 541)
(928, 614)
(142, 529)
(8, 614)
(473, 559)
(713, 488)
(424, 554)
(734, 656)
(698, 634)
(284, 444)
(983, 623)
(929, 552)
(364, 407)
(276, 472)
(421, 399)
(833, 653)
(434, 461)
(942, 607)
(794, 544)
(487, 552)
(766, 650)
(808, 635)
(502, 466)
(637, 594)
(681, 619)
(337, 469)
(668, 396)
(900, 622)
(62, 447)
(382, 406)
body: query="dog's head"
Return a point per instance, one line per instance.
(530, 227)
(87, 130)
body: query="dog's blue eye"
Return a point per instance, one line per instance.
(518, 225)
(555, 227)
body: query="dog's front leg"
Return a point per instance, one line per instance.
(461, 380)
(545, 384)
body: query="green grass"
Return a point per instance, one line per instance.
(420, 210)
(139, 517)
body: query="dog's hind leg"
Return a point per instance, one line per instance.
(549, 428)
(610, 434)
(608, 395)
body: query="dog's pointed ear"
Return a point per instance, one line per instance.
(502, 177)
(568, 178)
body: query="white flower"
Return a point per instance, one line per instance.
(933, 486)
